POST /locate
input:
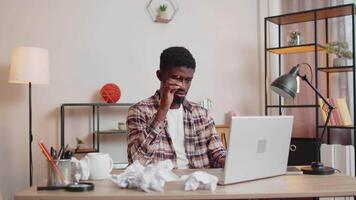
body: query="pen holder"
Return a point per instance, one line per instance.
(54, 178)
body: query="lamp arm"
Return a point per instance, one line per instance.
(304, 78)
(323, 133)
(330, 109)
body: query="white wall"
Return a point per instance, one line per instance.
(99, 41)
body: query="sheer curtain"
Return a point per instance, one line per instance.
(340, 29)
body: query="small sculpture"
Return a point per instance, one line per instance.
(295, 38)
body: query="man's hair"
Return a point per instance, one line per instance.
(176, 57)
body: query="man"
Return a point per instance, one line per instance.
(167, 126)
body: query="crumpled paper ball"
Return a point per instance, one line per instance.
(200, 180)
(150, 178)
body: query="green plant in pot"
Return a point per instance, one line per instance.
(162, 11)
(80, 143)
(340, 49)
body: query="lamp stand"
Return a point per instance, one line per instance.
(30, 130)
(318, 168)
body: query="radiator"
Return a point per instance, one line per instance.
(341, 157)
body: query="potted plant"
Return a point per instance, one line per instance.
(340, 49)
(80, 143)
(162, 12)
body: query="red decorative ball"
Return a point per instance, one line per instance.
(110, 92)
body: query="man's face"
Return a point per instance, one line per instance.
(181, 74)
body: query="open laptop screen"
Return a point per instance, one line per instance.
(258, 147)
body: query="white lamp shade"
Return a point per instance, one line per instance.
(29, 64)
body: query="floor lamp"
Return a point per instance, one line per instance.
(29, 65)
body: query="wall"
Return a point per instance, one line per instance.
(95, 42)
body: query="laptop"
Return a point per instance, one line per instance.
(258, 148)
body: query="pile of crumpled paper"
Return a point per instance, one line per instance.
(154, 176)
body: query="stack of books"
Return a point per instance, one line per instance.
(340, 115)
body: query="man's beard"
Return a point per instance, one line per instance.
(178, 100)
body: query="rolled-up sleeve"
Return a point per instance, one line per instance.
(215, 146)
(143, 135)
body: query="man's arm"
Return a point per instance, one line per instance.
(143, 133)
(143, 136)
(215, 146)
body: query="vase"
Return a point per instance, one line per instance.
(297, 40)
(339, 62)
(162, 15)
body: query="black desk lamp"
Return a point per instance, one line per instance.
(286, 86)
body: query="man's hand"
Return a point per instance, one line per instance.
(167, 90)
(222, 162)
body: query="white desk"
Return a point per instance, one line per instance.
(287, 186)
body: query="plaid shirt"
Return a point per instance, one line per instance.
(149, 140)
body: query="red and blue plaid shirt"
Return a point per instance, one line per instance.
(149, 140)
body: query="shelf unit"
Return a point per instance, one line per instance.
(311, 16)
(96, 131)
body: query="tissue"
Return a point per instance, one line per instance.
(201, 180)
(150, 178)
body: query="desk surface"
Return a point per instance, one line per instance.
(287, 186)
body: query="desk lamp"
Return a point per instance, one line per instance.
(286, 86)
(29, 65)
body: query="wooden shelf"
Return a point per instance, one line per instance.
(112, 131)
(293, 106)
(158, 20)
(336, 69)
(340, 127)
(96, 104)
(85, 150)
(305, 16)
(296, 49)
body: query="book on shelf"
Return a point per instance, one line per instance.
(336, 112)
(323, 110)
(340, 115)
(344, 111)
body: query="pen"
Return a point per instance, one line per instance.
(65, 151)
(66, 147)
(52, 152)
(59, 154)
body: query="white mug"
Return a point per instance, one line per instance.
(100, 165)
